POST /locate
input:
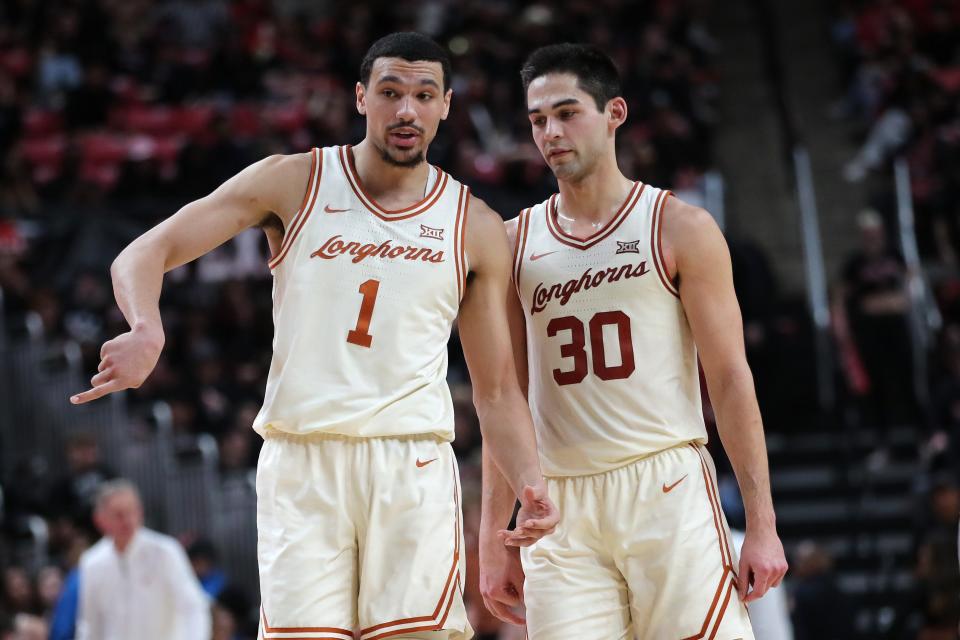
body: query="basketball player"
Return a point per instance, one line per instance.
(374, 253)
(621, 286)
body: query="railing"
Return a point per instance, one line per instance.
(816, 276)
(714, 197)
(178, 478)
(924, 315)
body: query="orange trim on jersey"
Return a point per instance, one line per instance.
(523, 230)
(459, 233)
(268, 629)
(585, 243)
(349, 169)
(656, 242)
(449, 587)
(299, 220)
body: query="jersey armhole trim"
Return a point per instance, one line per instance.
(459, 240)
(296, 225)
(656, 242)
(520, 246)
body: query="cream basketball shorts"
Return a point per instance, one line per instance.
(359, 536)
(642, 551)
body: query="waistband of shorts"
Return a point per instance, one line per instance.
(326, 436)
(630, 461)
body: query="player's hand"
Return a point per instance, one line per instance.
(501, 579)
(125, 362)
(537, 517)
(762, 564)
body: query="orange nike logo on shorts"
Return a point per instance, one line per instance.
(329, 210)
(425, 462)
(668, 489)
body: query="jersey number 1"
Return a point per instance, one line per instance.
(358, 335)
(576, 348)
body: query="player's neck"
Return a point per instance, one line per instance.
(380, 177)
(596, 198)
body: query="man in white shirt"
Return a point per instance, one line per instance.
(137, 583)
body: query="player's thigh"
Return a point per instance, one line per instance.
(412, 561)
(677, 558)
(572, 588)
(306, 547)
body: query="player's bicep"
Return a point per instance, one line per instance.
(515, 317)
(708, 296)
(484, 328)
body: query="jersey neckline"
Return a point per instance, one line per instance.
(585, 243)
(345, 154)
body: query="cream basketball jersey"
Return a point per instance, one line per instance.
(612, 364)
(364, 300)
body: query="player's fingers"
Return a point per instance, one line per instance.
(106, 362)
(104, 376)
(502, 611)
(520, 541)
(96, 392)
(743, 580)
(759, 588)
(549, 522)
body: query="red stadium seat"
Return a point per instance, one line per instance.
(156, 120)
(103, 148)
(41, 122)
(45, 157)
(245, 121)
(193, 119)
(286, 118)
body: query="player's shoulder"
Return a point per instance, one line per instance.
(482, 220)
(686, 218)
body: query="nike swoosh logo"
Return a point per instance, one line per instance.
(327, 209)
(535, 256)
(668, 489)
(425, 462)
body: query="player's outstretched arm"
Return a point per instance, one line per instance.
(698, 252)
(485, 336)
(274, 185)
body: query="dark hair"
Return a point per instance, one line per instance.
(406, 45)
(595, 72)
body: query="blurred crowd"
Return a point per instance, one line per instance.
(901, 67)
(114, 113)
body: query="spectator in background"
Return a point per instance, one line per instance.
(938, 567)
(870, 322)
(820, 610)
(203, 558)
(136, 583)
(72, 495)
(18, 594)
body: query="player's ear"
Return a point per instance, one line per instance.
(446, 103)
(616, 112)
(361, 99)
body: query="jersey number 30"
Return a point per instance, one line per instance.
(576, 348)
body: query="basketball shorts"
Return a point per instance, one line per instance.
(359, 536)
(641, 552)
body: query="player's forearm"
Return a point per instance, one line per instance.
(498, 499)
(508, 432)
(137, 275)
(741, 431)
